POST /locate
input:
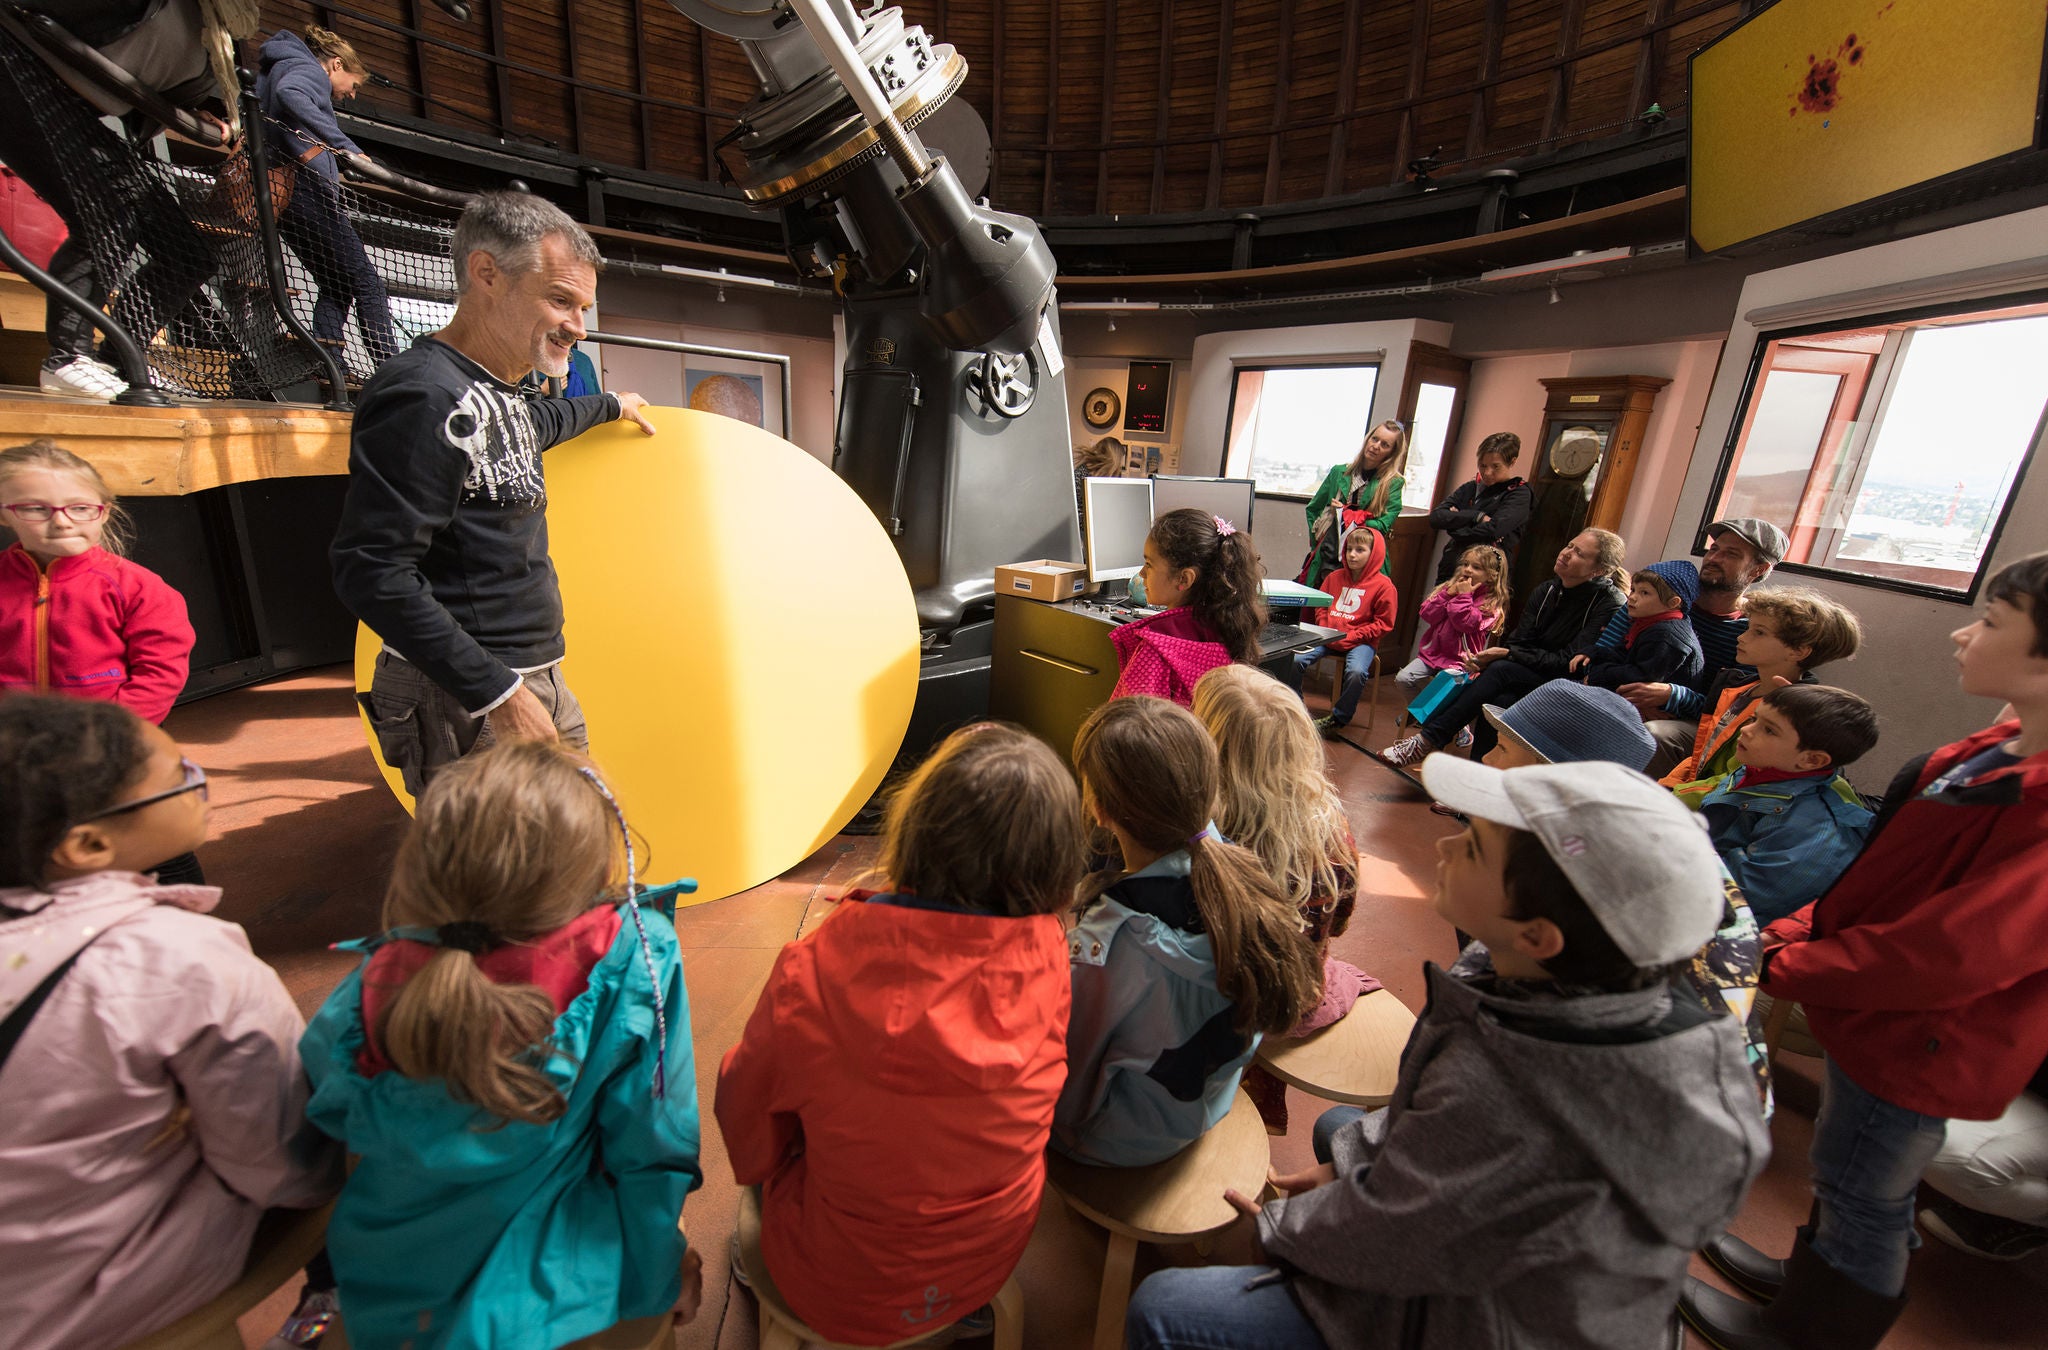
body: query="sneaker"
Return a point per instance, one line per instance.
(1981, 1234)
(83, 377)
(980, 1322)
(1440, 809)
(739, 1267)
(1327, 725)
(1464, 741)
(1409, 750)
(307, 1326)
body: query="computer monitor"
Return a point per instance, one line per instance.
(1118, 516)
(1230, 498)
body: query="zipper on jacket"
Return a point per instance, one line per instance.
(42, 631)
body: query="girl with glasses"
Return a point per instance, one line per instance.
(76, 616)
(156, 1106)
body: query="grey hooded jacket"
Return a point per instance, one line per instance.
(1542, 1173)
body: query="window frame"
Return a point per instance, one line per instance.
(1884, 384)
(1378, 363)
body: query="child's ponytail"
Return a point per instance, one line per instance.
(1227, 595)
(509, 843)
(1149, 766)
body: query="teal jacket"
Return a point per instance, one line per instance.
(1153, 1060)
(454, 1232)
(1784, 843)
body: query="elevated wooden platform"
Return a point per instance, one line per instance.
(169, 452)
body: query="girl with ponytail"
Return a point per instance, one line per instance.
(1182, 959)
(512, 1067)
(1204, 572)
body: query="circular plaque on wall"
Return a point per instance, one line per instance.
(1100, 408)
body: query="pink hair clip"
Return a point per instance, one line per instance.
(1224, 527)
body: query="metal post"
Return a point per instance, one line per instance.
(254, 140)
(134, 368)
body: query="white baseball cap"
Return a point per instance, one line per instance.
(1639, 859)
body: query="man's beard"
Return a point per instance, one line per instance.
(543, 353)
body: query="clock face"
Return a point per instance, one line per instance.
(1101, 407)
(1575, 453)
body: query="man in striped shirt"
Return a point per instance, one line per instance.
(1740, 553)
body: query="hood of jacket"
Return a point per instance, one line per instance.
(939, 1000)
(49, 925)
(1374, 560)
(286, 54)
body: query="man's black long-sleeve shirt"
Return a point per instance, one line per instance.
(443, 544)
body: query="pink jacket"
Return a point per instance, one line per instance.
(154, 1108)
(1457, 624)
(1164, 655)
(96, 626)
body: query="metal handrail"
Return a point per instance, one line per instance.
(699, 349)
(255, 145)
(140, 393)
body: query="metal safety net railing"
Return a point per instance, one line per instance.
(179, 253)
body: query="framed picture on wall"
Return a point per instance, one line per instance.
(748, 391)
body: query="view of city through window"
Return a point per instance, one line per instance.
(1289, 424)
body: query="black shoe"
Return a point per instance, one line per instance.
(1330, 726)
(1981, 1234)
(1745, 1267)
(1817, 1308)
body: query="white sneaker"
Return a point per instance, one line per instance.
(1410, 750)
(83, 377)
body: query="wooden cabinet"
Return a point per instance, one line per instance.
(1585, 463)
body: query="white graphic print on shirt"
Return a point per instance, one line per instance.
(495, 431)
(1350, 601)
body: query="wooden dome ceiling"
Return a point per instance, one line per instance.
(1102, 108)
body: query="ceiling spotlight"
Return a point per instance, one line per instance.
(1553, 293)
(1112, 323)
(721, 294)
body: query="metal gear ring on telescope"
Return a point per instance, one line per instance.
(850, 153)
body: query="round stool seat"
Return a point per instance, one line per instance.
(285, 1240)
(1355, 1060)
(781, 1329)
(1180, 1199)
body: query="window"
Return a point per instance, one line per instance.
(1289, 424)
(1433, 404)
(1889, 451)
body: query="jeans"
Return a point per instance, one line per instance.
(1499, 684)
(1868, 1156)
(1357, 669)
(1218, 1308)
(1327, 1125)
(319, 232)
(421, 728)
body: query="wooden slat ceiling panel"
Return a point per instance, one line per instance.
(1089, 109)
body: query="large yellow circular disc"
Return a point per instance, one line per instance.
(741, 635)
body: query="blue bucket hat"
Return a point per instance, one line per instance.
(1681, 577)
(1567, 722)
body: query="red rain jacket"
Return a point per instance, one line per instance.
(1924, 970)
(891, 1096)
(95, 626)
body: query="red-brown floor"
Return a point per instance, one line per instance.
(302, 838)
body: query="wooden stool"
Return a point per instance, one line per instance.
(782, 1330)
(1785, 1029)
(1355, 1060)
(642, 1333)
(1372, 682)
(1176, 1201)
(285, 1240)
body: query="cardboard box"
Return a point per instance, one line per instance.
(1042, 579)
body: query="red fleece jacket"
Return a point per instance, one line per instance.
(1363, 610)
(94, 626)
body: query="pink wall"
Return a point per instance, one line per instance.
(1506, 394)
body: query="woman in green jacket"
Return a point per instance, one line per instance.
(1371, 483)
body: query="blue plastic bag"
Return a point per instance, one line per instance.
(1441, 689)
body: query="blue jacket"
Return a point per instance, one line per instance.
(1663, 653)
(1784, 842)
(1153, 1060)
(520, 1237)
(293, 91)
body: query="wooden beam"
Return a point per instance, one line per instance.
(419, 61)
(1347, 99)
(168, 452)
(704, 96)
(575, 90)
(1226, 35)
(1570, 22)
(1108, 107)
(1052, 102)
(1418, 60)
(1489, 70)
(646, 114)
(1649, 57)
(1162, 119)
(1282, 73)
(501, 73)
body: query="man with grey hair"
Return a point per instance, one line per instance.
(443, 545)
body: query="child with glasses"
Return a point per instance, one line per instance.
(76, 616)
(155, 1099)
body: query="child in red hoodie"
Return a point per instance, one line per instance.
(893, 1091)
(76, 617)
(1362, 613)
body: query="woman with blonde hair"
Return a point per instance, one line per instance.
(1367, 491)
(512, 1067)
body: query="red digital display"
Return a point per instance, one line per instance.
(1145, 397)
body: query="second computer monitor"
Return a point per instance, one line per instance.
(1118, 516)
(1230, 498)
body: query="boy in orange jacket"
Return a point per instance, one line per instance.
(1362, 613)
